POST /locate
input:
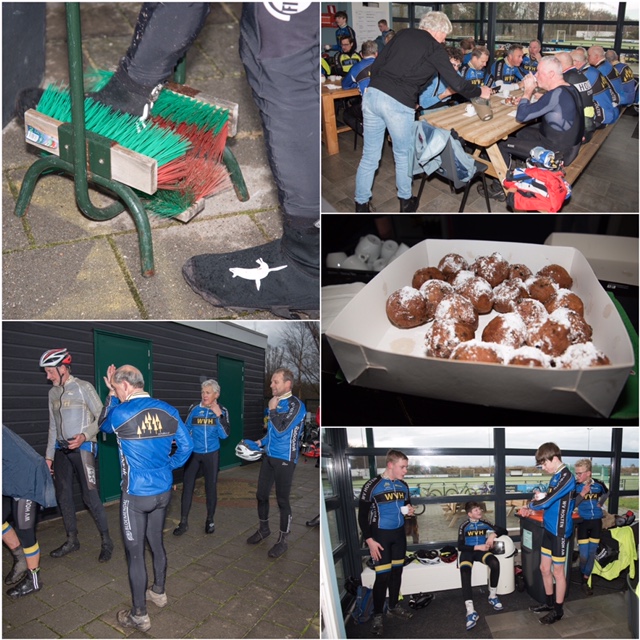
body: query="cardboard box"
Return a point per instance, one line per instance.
(374, 353)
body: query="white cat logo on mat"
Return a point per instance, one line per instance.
(284, 9)
(257, 273)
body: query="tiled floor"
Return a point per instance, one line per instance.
(608, 185)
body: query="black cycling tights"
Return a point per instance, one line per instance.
(142, 517)
(280, 472)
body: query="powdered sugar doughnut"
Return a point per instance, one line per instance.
(519, 271)
(494, 268)
(407, 308)
(567, 299)
(541, 288)
(451, 264)
(579, 329)
(478, 351)
(582, 356)
(529, 357)
(507, 329)
(508, 294)
(443, 336)
(433, 291)
(558, 274)
(552, 337)
(532, 312)
(477, 290)
(422, 275)
(455, 307)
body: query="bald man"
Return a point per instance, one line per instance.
(593, 115)
(561, 126)
(146, 429)
(597, 59)
(603, 93)
(629, 89)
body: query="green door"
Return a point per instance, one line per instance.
(110, 348)
(231, 381)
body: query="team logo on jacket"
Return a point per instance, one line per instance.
(151, 425)
(284, 9)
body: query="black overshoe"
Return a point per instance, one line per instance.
(72, 544)
(29, 584)
(408, 205)
(364, 208)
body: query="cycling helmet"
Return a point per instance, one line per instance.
(448, 553)
(55, 357)
(245, 449)
(420, 600)
(429, 556)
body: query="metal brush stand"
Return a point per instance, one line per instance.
(73, 157)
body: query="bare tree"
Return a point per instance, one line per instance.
(301, 342)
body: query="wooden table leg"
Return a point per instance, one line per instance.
(329, 126)
(499, 166)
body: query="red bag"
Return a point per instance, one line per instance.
(537, 190)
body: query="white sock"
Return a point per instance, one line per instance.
(469, 605)
(493, 592)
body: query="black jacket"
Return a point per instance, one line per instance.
(407, 63)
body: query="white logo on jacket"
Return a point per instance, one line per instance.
(257, 273)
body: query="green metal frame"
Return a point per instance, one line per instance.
(76, 163)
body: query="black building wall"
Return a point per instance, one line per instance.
(181, 355)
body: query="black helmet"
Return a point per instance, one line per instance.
(429, 556)
(448, 553)
(420, 600)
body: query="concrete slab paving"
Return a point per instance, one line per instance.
(58, 263)
(218, 586)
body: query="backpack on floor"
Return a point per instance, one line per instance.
(608, 549)
(363, 609)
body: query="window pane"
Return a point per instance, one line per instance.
(582, 438)
(593, 12)
(517, 11)
(340, 573)
(461, 10)
(328, 477)
(630, 438)
(426, 438)
(334, 530)
(629, 482)
(514, 32)
(400, 10)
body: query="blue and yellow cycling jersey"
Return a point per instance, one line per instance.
(590, 505)
(380, 502)
(558, 503)
(472, 533)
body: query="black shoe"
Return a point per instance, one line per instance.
(71, 545)
(105, 551)
(586, 589)
(364, 208)
(279, 547)
(262, 533)
(494, 191)
(183, 527)
(123, 94)
(541, 608)
(551, 617)
(209, 527)
(408, 205)
(271, 277)
(377, 627)
(29, 584)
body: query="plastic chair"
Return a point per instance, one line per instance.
(449, 172)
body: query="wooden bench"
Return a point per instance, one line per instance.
(589, 150)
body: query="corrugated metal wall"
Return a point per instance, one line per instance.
(181, 355)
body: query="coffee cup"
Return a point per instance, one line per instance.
(470, 110)
(354, 262)
(389, 247)
(369, 248)
(335, 260)
(405, 509)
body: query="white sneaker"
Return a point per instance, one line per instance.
(495, 603)
(159, 599)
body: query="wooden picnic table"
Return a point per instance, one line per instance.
(484, 134)
(330, 129)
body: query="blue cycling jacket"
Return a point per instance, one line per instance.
(285, 428)
(502, 70)
(380, 502)
(145, 429)
(558, 503)
(590, 505)
(207, 429)
(472, 533)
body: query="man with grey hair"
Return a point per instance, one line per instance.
(603, 92)
(597, 60)
(145, 429)
(208, 424)
(629, 84)
(532, 58)
(562, 123)
(508, 69)
(398, 76)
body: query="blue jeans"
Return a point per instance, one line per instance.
(380, 111)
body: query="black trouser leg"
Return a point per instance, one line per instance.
(163, 33)
(63, 481)
(284, 479)
(265, 482)
(84, 463)
(210, 466)
(281, 62)
(188, 485)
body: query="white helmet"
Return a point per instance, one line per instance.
(245, 453)
(55, 357)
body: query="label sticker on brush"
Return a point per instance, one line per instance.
(39, 137)
(284, 9)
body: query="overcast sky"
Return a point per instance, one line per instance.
(584, 438)
(271, 328)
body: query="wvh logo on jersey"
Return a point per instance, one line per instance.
(395, 495)
(151, 425)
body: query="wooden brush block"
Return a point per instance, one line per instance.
(128, 167)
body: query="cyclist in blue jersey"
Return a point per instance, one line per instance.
(603, 94)
(475, 70)
(145, 429)
(343, 29)
(597, 60)
(475, 540)
(557, 503)
(359, 74)
(381, 518)
(508, 69)
(530, 61)
(591, 494)
(629, 84)
(281, 449)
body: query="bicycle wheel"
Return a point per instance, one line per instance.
(435, 493)
(452, 492)
(419, 509)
